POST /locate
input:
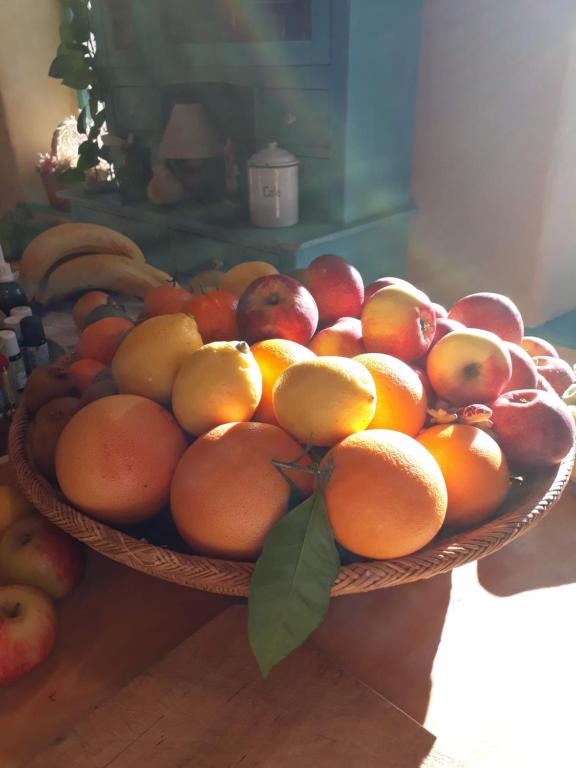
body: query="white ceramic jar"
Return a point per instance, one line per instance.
(273, 187)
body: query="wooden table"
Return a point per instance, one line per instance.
(483, 657)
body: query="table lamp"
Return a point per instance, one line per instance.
(193, 152)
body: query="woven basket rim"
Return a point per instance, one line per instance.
(232, 578)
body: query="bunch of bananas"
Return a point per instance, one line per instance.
(70, 258)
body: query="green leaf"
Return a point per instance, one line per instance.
(66, 33)
(291, 583)
(73, 68)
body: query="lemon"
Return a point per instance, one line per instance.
(218, 384)
(238, 278)
(147, 361)
(13, 506)
(322, 401)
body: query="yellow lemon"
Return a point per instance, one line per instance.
(237, 279)
(273, 357)
(147, 361)
(13, 506)
(322, 401)
(218, 384)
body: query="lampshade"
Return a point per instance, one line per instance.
(189, 134)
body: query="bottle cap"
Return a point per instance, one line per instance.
(12, 323)
(32, 331)
(10, 343)
(21, 312)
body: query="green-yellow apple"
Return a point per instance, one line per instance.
(469, 366)
(13, 506)
(27, 630)
(399, 320)
(36, 553)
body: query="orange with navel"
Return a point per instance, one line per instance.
(165, 300)
(226, 492)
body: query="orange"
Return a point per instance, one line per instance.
(474, 468)
(215, 315)
(84, 372)
(238, 278)
(385, 494)
(226, 493)
(400, 396)
(273, 357)
(86, 304)
(165, 300)
(116, 457)
(101, 339)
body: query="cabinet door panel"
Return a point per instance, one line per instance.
(298, 119)
(181, 33)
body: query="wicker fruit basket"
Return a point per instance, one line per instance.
(524, 508)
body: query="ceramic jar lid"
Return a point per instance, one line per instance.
(273, 156)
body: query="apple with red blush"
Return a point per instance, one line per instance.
(27, 630)
(557, 372)
(36, 553)
(399, 321)
(490, 312)
(439, 310)
(536, 346)
(337, 288)
(343, 339)
(277, 307)
(524, 373)
(534, 428)
(469, 366)
(384, 282)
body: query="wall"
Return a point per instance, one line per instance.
(31, 103)
(494, 165)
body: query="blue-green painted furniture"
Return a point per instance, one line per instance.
(333, 81)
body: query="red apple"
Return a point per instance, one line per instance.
(337, 288)
(524, 373)
(277, 307)
(545, 386)
(469, 366)
(533, 428)
(445, 325)
(557, 372)
(423, 376)
(536, 346)
(490, 312)
(343, 339)
(36, 553)
(399, 321)
(439, 310)
(27, 630)
(384, 282)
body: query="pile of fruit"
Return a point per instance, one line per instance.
(388, 418)
(38, 565)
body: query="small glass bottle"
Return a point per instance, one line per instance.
(34, 342)
(12, 323)
(11, 294)
(17, 372)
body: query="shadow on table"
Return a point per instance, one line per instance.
(544, 557)
(389, 638)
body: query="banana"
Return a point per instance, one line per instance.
(64, 242)
(102, 271)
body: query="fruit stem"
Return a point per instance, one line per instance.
(26, 538)
(243, 347)
(311, 469)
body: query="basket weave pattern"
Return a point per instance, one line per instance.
(539, 494)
